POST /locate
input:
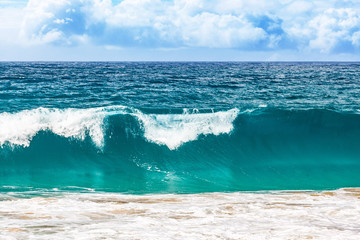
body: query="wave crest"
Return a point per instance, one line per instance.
(171, 130)
(20, 128)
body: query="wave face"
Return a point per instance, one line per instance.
(119, 148)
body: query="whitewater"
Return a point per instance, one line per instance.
(168, 129)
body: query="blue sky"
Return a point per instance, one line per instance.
(163, 30)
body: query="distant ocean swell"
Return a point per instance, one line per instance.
(119, 148)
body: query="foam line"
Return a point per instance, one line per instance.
(171, 130)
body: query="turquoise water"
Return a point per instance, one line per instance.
(179, 127)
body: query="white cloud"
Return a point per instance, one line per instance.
(153, 23)
(258, 25)
(46, 22)
(335, 28)
(355, 39)
(10, 23)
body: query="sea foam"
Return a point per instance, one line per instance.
(171, 130)
(239, 215)
(19, 128)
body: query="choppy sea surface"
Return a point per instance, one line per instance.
(200, 150)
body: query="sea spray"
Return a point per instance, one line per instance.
(173, 130)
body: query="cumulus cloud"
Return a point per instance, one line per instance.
(325, 26)
(336, 29)
(156, 23)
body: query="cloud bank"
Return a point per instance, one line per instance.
(314, 26)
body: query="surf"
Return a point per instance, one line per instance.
(120, 148)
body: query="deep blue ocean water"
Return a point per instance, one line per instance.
(159, 127)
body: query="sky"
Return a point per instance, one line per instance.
(179, 30)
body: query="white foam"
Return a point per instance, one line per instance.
(173, 130)
(276, 215)
(19, 128)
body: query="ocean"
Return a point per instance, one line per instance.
(179, 150)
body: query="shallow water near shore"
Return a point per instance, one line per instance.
(238, 215)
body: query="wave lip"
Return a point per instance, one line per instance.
(19, 128)
(173, 130)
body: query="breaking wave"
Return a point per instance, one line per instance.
(171, 130)
(119, 148)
